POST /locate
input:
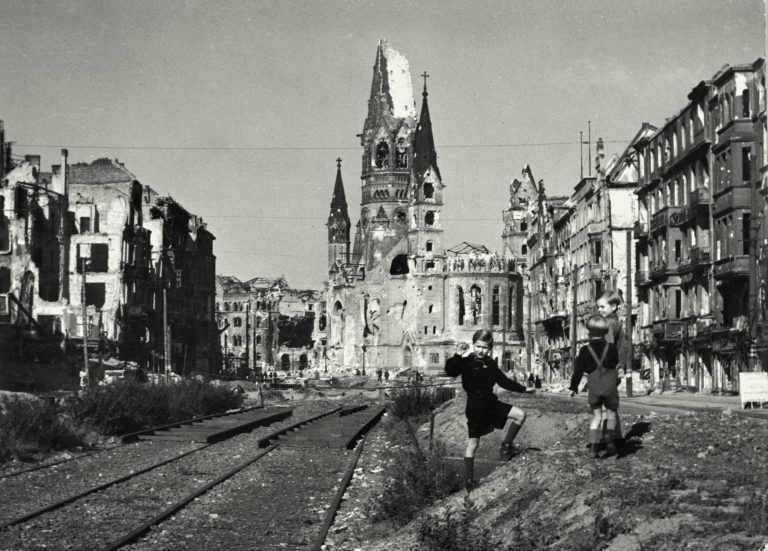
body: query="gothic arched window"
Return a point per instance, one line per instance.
(429, 190)
(495, 306)
(460, 299)
(382, 154)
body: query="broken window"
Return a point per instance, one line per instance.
(95, 294)
(399, 265)
(429, 190)
(400, 216)
(429, 218)
(523, 226)
(5, 230)
(401, 154)
(5, 280)
(476, 305)
(430, 265)
(321, 323)
(99, 257)
(382, 154)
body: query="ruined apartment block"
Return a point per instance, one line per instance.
(35, 229)
(264, 325)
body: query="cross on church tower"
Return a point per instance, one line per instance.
(338, 162)
(425, 76)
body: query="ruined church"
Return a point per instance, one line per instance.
(397, 297)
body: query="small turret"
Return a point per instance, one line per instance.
(339, 225)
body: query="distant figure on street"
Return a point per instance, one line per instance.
(530, 380)
(386, 375)
(599, 360)
(479, 373)
(537, 382)
(378, 374)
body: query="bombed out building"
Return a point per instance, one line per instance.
(396, 296)
(265, 325)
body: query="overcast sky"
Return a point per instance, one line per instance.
(239, 109)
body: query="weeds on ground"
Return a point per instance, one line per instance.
(416, 399)
(129, 406)
(30, 427)
(415, 482)
(455, 531)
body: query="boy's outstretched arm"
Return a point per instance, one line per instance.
(578, 373)
(505, 382)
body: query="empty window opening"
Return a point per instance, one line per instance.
(399, 265)
(429, 190)
(460, 299)
(495, 306)
(429, 246)
(429, 218)
(95, 293)
(237, 322)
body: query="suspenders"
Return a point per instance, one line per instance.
(598, 361)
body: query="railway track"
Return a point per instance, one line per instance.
(265, 474)
(133, 437)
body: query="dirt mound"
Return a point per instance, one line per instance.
(693, 481)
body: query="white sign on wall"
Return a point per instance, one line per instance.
(753, 388)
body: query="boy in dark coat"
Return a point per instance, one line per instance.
(599, 360)
(608, 306)
(479, 373)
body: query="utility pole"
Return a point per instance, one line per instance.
(166, 335)
(628, 321)
(589, 147)
(87, 365)
(574, 317)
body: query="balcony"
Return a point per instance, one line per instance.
(669, 330)
(641, 278)
(733, 267)
(734, 198)
(669, 217)
(595, 228)
(698, 257)
(658, 270)
(699, 197)
(641, 229)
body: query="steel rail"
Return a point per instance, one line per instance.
(330, 515)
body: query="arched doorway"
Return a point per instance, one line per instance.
(407, 358)
(285, 362)
(303, 364)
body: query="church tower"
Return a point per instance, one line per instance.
(425, 233)
(339, 225)
(387, 155)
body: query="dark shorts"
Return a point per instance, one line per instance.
(483, 418)
(609, 399)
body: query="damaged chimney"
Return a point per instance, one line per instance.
(59, 182)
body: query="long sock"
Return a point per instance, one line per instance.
(617, 430)
(469, 468)
(594, 436)
(514, 428)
